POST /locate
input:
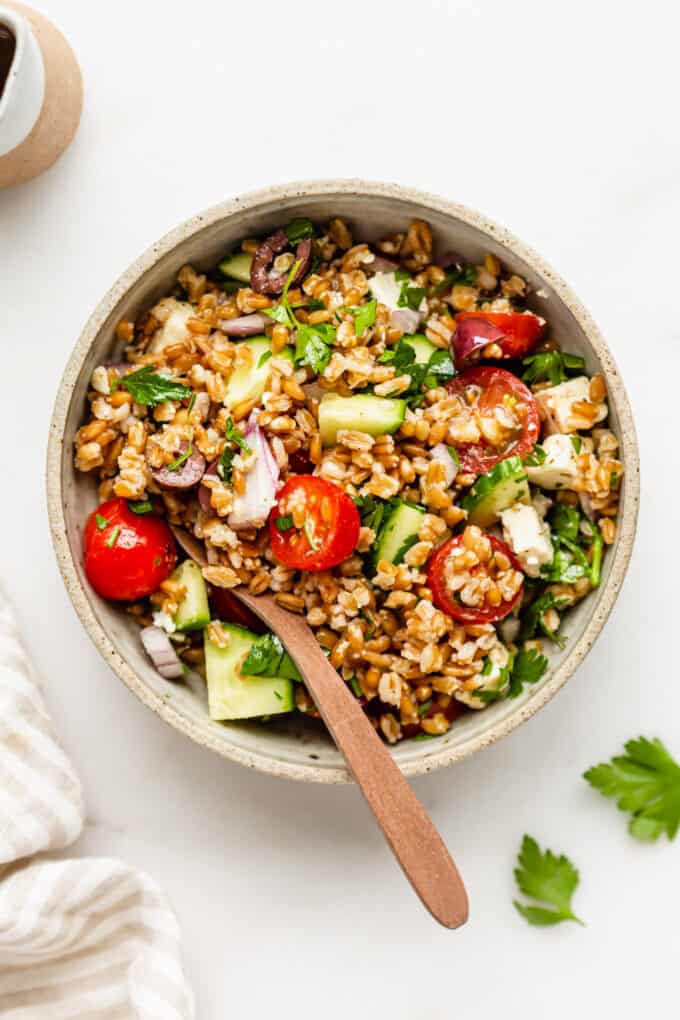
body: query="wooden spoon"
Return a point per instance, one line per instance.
(408, 828)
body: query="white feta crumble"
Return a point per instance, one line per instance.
(173, 315)
(557, 404)
(559, 469)
(164, 621)
(528, 537)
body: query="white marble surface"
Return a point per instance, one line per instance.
(559, 121)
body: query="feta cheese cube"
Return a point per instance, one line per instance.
(173, 315)
(528, 537)
(559, 469)
(557, 404)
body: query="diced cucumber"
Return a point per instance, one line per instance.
(362, 413)
(193, 612)
(422, 347)
(502, 487)
(399, 532)
(231, 695)
(237, 266)
(248, 379)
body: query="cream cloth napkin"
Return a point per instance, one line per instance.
(82, 938)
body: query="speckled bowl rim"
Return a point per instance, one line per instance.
(621, 551)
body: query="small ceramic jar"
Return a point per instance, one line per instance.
(41, 93)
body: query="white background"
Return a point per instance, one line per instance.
(559, 120)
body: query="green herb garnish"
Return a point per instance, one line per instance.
(410, 296)
(550, 881)
(646, 783)
(467, 276)
(232, 434)
(113, 537)
(528, 668)
(101, 522)
(148, 387)
(264, 358)
(439, 369)
(554, 366)
(267, 657)
(535, 457)
(182, 459)
(453, 454)
(299, 230)
(282, 311)
(577, 443)
(314, 344)
(364, 316)
(140, 506)
(424, 708)
(356, 686)
(532, 618)
(284, 523)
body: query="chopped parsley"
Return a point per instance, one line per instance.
(549, 881)
(554, 366)
(101, 522)
(407, 544)
(140, 506)
(282, 311)
(570, 540)
(532, 618)
(439, 369)
(410, 296)
(264, 359)
(535, 457)
(299, 229)
(364, 316)
(646, 783)
(113, 537)
(313, 345)
(267, 657)
(577, 443)
(234, 436)
(467, 275)
(284, 523)
(424, 708)
(453, 454)
(148, 387)
(356, 686)
(182, 459)
(528, 667)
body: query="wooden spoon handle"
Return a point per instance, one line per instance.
(408, 828)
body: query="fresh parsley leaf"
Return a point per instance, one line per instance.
(315, 305)
(425, 736)
(183, 457)
(437, 370)
(532, 618)
(314, 344)
(267, 657)
(148, 387)
(555, 366)
(101, 522)
(487, 667)
(467, 275)
(410, 297)
(284, 523)
(565, 521)
(577, 443)
(299, 230)
(113, 537)
(371, 510)
(535, 457)
(407, 544)
(424, 708)
(356, 686)
(264, 358)
(140, 506)
(528, 668)
(646, 783)
(453, 454)
(234, 435)
(364, 316)
(282, 311)
(549, 880)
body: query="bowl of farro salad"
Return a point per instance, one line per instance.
(382, 409)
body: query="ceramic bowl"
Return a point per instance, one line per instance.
(299, 748)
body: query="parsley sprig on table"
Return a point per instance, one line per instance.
(646, 783)
(548, 880)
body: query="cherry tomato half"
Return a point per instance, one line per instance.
(439, 576)
(522, 330)
(331, 524)
(488, 389)
(127, 555)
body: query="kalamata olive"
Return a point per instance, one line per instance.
(299, 463)
(186, 474)
(260, 280)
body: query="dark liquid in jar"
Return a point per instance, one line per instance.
(7, 47)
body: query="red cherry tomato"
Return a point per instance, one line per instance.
(127, 555)
(490, 388)
(446, 599)
(331, 529)
(522, 330)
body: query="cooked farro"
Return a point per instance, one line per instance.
(345, 425)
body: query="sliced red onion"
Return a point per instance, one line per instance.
(405, 319)
(473, 334)
(191, 545)
(204, 491)
(441, 453)
(380, 264)
(450, 258)
(188, 473)
(159, 648)
(252, 508)
(246, 325)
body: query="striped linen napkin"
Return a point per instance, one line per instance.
(81, 938)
